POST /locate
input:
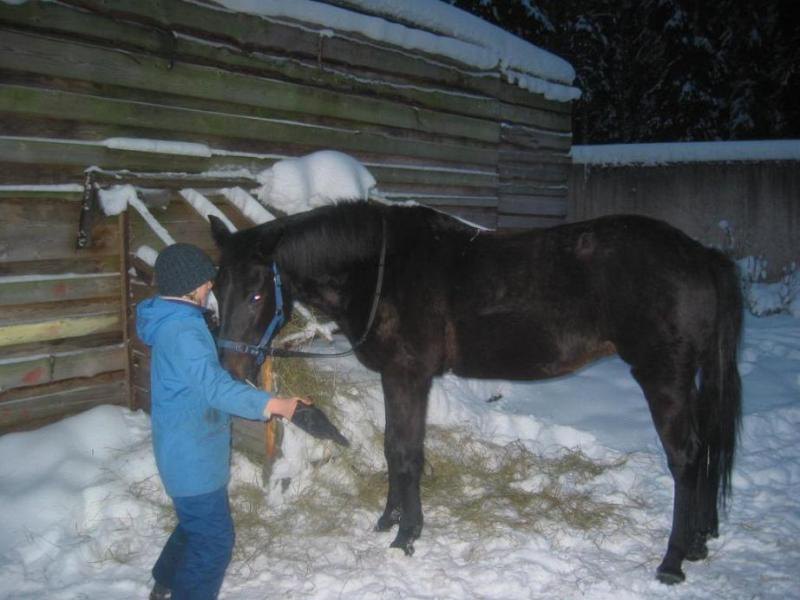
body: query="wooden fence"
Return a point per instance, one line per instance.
(747, 207)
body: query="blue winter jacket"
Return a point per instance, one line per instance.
(192, 397)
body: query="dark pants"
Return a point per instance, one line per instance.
(193, 562)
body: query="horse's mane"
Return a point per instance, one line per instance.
(319, 240)
(322, 239)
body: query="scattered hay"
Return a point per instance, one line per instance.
(481, 487)
(295, 377)
(489, 487)
(149, 491)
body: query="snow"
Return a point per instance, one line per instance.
(117, 198)
(158, 146)
(84, 514)
(247, 205)
(204, 207)
(685, 152)
(295, 185)
(147, 254)
(434, 28)
(52, 277)
(762, 298)
(54, 188)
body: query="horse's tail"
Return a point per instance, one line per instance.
(720, 387)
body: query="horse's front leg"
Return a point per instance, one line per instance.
(406, 399)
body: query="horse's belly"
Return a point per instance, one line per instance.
(512, 355)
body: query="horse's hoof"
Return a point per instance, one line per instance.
(406, 547)
(669, 576)
(697, 551)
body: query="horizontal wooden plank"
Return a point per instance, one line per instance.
(532, 188)
(162, 119)
(56, 328)
(408, 189)
(38, 192)
(24, 372)
(536, 138)
(527, 222)
(98, 64)
(523, 157)
(444, 200)
(41, 369)
(44, 311)
(42, 288)
(532, 205)
(422, 174)
(16, 173)
(61, 346)
(40, 406)
(556, 123)
(40, 243)
(541, 172)
(76, 265)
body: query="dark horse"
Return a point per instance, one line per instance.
(515, 306)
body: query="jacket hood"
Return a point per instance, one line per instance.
(152, 313)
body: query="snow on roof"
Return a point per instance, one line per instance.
(434, 28)
(656, 154)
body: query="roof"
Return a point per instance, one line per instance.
(434, 28)
(681, 152)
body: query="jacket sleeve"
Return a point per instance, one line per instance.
(198, 355)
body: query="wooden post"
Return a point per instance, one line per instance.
(127, 322)
(273, 431)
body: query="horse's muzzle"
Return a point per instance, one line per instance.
(242, 366)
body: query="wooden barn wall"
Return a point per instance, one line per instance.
(79, 75)
(62, 317)
(83, 82)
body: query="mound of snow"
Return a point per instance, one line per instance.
(298, 184)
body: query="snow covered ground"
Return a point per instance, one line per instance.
(83, 513)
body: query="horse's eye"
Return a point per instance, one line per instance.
(255, 298)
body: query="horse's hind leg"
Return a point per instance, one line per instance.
(406, 399)
(670, 394)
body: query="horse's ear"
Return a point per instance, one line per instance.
(219, 231)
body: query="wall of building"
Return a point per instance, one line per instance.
(751, 208)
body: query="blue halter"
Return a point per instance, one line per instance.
(262, 349)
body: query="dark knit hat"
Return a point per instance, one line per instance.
(182, 268)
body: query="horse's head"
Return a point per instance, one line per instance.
(246, 293)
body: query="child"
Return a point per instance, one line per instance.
(192, 398)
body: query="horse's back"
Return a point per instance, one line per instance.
(541, 303)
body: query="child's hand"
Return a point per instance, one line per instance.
(284, 407)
